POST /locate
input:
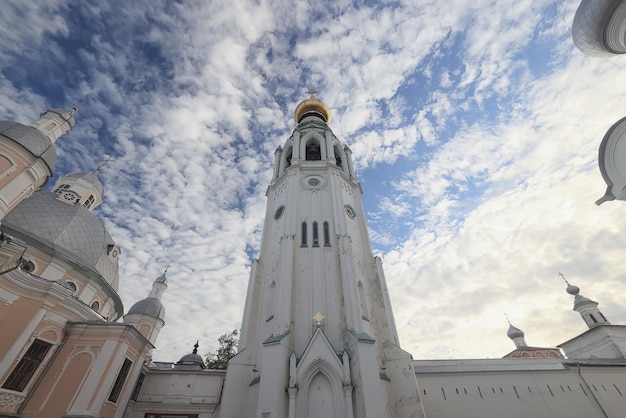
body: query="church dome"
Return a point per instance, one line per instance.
(309, 107)
(149, 307)
(69, 229)
(30, 138)
(514, 332)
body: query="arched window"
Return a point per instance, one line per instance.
(326, 235)
(288, 160)
(72, 285)
(304, 238)
(316, 240)
(313, 151)
(593, 318)
(95, 305)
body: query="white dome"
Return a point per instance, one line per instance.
(68, 229)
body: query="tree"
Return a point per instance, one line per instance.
(226, 350)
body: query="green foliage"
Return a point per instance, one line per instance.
(226, 350)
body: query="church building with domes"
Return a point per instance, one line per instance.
(318, 335)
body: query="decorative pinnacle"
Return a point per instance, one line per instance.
(195, 347)
(167, 266)
(318, 317)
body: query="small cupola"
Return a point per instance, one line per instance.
(587, 308)
(80, 188)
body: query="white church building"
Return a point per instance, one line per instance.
(318, 336)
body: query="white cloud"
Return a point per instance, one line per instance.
(494, 159)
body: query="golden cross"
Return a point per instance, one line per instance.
(318, 317)
(311, 93)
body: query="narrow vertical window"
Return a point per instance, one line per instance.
(304, 239)
(316, 240)
(337, 157)
(326, 235)
(362, 297)
(119, 381)
(27, 366)
(593, 318)
(137, 389)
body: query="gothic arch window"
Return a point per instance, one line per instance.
(303, 233)
(326, 234)
(316, 239)
(362, 298)
(313, 150)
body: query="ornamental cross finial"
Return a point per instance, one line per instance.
(195, 347)
(563, 277)
(167, 267)
(107, 159)
(318, 317)
(311, 93)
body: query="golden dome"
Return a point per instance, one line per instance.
(312, 105)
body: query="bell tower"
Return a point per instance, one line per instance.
(318, 336)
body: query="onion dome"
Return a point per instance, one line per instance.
(572, 290)
(598, 27)
(514, 332)
(312, 107)
(152, 306)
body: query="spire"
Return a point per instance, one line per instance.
(587, 308)
(151, 306)
(54, 123)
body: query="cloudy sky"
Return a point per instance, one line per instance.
(474, 128)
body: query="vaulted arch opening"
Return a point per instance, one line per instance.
(313, 150)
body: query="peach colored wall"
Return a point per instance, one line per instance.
(19, 164)
(60, 385)
(13, 319)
